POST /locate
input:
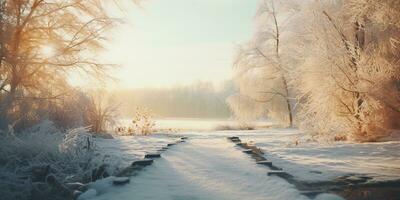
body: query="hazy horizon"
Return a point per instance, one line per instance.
(162, 44)
(199, 100)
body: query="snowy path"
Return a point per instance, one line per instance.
(204, 168)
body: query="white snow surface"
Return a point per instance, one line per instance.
(123, 150)
(208, 166)
(212, 169)
(315, 161)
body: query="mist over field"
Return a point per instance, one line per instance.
(198, 100)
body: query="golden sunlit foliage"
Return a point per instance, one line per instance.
(342, 63)
(351, 73)
(143, 122)
(41, 42)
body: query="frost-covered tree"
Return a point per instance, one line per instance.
(349, 81)
(263, 65)
(41, 42)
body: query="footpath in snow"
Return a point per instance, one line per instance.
(208, 166)
(212, 169)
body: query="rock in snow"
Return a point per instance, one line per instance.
(264, 162)
(233, 138)
(143, 162)
(152, 155)
(248, 151)
(279, 173)
(120, 180)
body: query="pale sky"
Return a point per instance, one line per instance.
(176, 42)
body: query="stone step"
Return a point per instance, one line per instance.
(248, 151)
(233, 138)
(279, 173)
(259, 158)
(143, 162)
(236, 140)
(152, 155)
(120, 180)
(264, 162)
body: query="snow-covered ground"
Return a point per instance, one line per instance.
(313, 161)
(123, 150)
(204, 169)
(208, 166)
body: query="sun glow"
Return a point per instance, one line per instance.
(48, 51)
(155, 48)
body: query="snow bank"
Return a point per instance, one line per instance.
(121, 151)
(312, 161)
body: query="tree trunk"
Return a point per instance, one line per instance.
(277, 46)
(359, 46)
(6, 106)
(289, 106)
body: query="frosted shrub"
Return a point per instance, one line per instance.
(19, 153)
(143, 122)
(77, 141)
(71, 157)
(100, 111)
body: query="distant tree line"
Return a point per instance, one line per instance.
(199, 100)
